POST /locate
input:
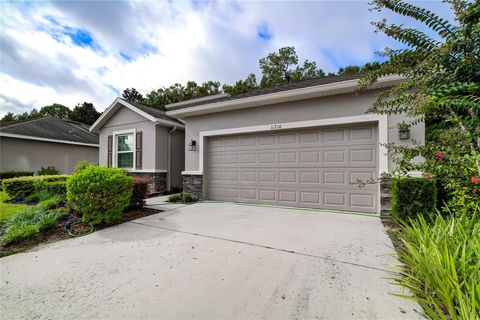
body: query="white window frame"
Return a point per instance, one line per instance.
(115, 147)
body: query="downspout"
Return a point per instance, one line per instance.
(169, 157)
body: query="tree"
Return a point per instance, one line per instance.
(132, 95)
(54, 110)
(282, 67)
(242, 86)
(441, 87)
(9, 116)
(85, 113)
(349, 70)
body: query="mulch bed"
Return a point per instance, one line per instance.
(68, 227)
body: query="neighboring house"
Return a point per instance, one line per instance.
(32, 144)
(143, 140)
(301, 144)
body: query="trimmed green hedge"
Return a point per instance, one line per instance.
(15, 174)
(24, 186)
(99, 194)
(412, 196)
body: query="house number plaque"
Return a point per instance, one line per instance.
(276, 126)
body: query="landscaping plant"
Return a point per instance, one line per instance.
(442, 264)
(48, 171)
(99, 194)
(24, 186)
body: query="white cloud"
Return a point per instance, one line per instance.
(43, 61)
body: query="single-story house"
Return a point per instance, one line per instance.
(143, 140)
(32, 144)
(302, 144)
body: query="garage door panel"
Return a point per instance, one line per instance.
(315, 168)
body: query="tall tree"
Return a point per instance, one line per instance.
(85, 113)
(282, 67)
(242, 86)
(441, 87)
(349, 70)
(9, 116)
(131, 94)
(54, 110)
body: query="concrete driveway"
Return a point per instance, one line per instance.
(212, 261)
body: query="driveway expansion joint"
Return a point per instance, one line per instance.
(266, 247)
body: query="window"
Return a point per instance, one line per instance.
(125, 149)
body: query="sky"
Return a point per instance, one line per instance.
(69, 52)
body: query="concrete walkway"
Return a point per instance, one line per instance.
(212, 261)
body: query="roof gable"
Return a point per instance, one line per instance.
(154, 115)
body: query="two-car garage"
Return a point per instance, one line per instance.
(312, 168)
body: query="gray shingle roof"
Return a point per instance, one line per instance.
(51, 128)
(278, 88)
(159, 114)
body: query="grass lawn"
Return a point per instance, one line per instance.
(6, 209)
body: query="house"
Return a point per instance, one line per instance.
(143, 140)
(32, 144)
(303, 144)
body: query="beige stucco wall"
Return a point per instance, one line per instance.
(125, 119)
(319, 108)
(31, 155)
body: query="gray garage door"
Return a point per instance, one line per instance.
(307, 168)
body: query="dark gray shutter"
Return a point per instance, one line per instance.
(109, 151)
(138, 151)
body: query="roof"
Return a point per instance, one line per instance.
(288, 92)
(155, 115)
(51, 129)
(257, 92)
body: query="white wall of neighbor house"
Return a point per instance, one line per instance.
(31, 155)
(125, 119)
(338, 106)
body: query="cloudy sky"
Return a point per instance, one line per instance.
(69, 52)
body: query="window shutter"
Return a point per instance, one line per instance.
(109, 151)
(138, 151)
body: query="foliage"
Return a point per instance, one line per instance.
(23, 186)
(99, 194)
(14, 174)
(7, 209)
(159, 98)
(282, 66)
(351, 69)
(81, 165)
(182, 197)
(54, 110)
(442, 264)
(412, 196)
(132, 95)
(442, 83)
(48, 171)
(27, 223)
(52, 187)
(242, 86)
(85, 113)
(139, 193)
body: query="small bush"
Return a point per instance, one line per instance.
(48, 171)
(81, 165)
(27, 223)
(52, 187)
(412, 196)
(139, 193)
(15, 174)
(442, 263)
(24, 186)
(99, 194)
(182, 197)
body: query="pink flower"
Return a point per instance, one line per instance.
(475, 180)
(439, 154)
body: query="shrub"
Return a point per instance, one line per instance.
(442, 264)
(51, 203)
(24, 186)
(182, 197)
(28, 223)
(139, 193)
(99, 194)
(52, 187)
(48, 171)
(412, 196)
(81, 165)
(14, 174)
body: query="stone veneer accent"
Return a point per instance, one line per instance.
(158, 181)
(385, 196)
(193, 184)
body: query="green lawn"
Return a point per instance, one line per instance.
(6, 209)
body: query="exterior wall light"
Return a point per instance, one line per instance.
(192, 146)
(404, 133)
